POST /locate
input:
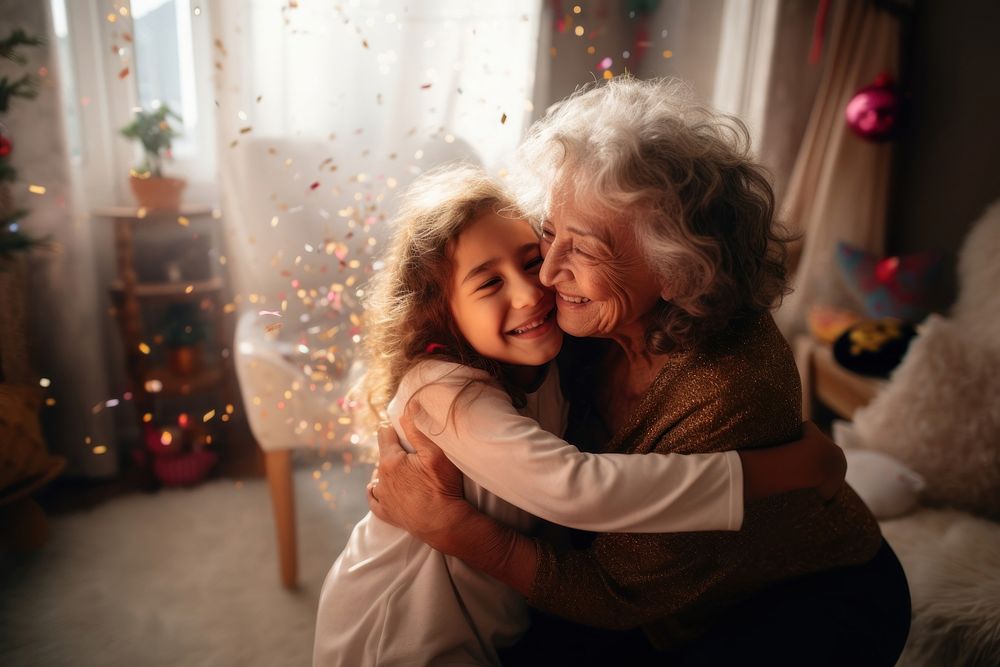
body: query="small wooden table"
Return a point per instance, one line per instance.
(826, 380)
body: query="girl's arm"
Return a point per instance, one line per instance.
(514, 458)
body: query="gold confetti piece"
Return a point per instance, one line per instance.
(273, 328)
(225, 418)
(123, 11)
(166, 438)
(591, 50)
(189, 289)
(274, 221)
(208, 416)
(229, 308)
(112, 17)
(144, 348)
(344, 420)
(503, 118)
(154, 386)
(123, 73)
(608, 74)
(668, 54)
(183, 222)
(148, 417)
(87, 440)
(36, 189)
(244, 130)
(127, 37)
(229, 408)
(552, 52)
(50, 402)
(100, 449)
(141, 212)
(578, 31)
(233, 143)
(577, 9)
(259, 98)
(44, 382)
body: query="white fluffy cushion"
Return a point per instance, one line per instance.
(952, 563)
(940, 416)
(978, 305)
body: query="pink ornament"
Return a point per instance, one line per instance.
(874, 111)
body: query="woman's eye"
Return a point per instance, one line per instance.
(533, 264)
(547, 235)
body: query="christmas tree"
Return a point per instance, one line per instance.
(12, 238)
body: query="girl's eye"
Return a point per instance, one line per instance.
(533, 264)
(488, 284)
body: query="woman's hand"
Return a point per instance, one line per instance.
(420, 492)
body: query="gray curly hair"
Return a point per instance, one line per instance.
(682, 177)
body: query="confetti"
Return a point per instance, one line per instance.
(244, 130)
(273, 328)
(578, 31)
(425, 86)
(36, 189)
(577, 9)
(314, 185)
(268, 312)
(605, 63)
(44, 382)
(668, 54)
(183, 221)
(100, 449)
(503, 118)
(123, 73)
(144, 348)
(208, 416)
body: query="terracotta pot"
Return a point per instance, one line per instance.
(185, 360)
(158, 193)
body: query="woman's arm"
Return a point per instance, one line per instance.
(435, 512)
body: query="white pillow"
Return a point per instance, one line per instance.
(886, 486)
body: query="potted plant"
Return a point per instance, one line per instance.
(183, 332)
(151, 188)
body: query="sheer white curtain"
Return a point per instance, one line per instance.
(326, 111)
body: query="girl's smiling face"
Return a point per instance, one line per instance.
(496, 298)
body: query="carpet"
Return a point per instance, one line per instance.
(180, 577)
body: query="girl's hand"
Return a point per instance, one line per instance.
(420, 492)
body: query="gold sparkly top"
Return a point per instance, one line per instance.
(743, 392)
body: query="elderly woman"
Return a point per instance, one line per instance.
(658, 235)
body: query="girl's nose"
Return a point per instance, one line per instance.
(527, 292)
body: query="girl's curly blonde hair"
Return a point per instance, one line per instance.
(682, 177)
(407, 312)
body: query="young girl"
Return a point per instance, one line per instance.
(459, 321)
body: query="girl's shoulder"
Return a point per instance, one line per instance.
(437, 371)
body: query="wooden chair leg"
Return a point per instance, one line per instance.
(279, 480)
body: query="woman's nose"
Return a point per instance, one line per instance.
(552, 266)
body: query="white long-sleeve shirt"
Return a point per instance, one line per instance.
(389, 599)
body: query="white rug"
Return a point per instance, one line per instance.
(181, 577)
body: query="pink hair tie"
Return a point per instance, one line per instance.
(435, 346)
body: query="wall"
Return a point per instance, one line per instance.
(946, 166)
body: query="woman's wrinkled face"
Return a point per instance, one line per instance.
(603, 284)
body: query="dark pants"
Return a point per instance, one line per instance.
(856, 616)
